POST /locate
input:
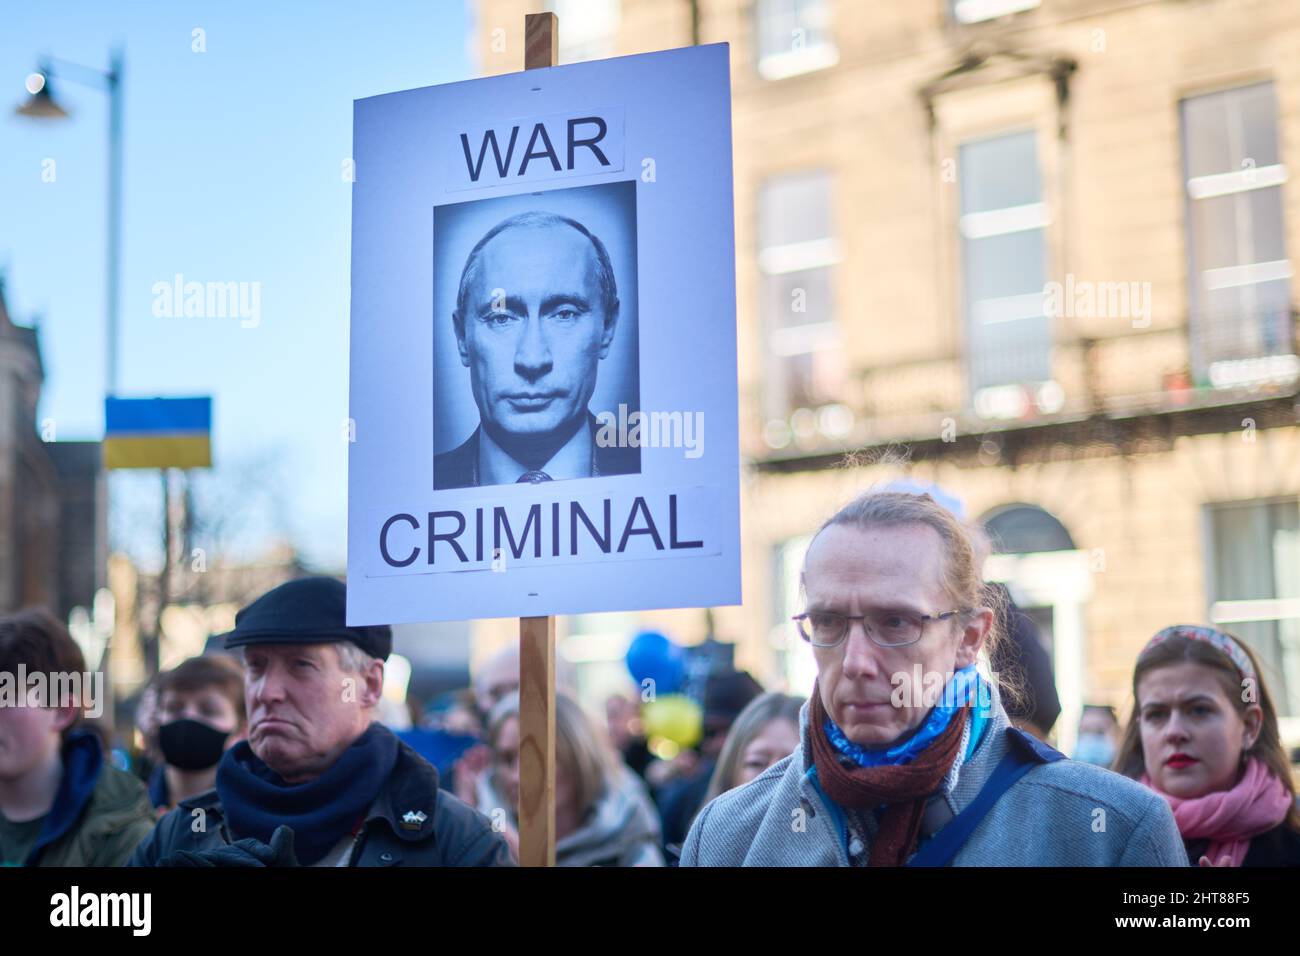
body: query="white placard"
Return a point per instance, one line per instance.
(543, 363)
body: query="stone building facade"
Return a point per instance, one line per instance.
(1036, 252)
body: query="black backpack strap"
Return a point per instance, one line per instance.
(1024, 753)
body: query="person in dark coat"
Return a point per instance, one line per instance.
(725, 696)
(318, 782)
(1025, 664)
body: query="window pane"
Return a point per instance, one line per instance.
(1238, 229)
(811, 380)
(1252, 112)
(588, 28)
(1010, 352)
(1239, 278)
(1264, 207)
(1007, 265)
(1205, 136)
(796, 657)
(1228, 130)
(999, 172)
(785, 26)
(804, 368)
(794, 208)
(1242, 560)
(1256, 555)
(1009, 337)
(1214, 228)
(1286, 582)
(797, 298)
(1251, 322)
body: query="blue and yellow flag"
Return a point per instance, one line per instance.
(158, 432)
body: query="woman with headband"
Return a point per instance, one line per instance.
(1204, 735)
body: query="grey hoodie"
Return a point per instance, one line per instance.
(1058, 814)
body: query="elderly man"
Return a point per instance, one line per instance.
(495, 679)
(318, 782)
(907, 756)
(536, 311)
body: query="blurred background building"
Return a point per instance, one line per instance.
(1039, 247)
(53, 505)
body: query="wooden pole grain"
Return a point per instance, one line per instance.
(537, 634)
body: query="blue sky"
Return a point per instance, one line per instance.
(233, 173)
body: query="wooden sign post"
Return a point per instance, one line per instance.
(537, 634)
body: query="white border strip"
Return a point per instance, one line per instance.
(1240, 181)
(1001, 222)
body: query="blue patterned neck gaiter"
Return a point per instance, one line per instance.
(963, 688)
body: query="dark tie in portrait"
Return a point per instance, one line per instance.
(537, 309)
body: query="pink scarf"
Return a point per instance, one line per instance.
(1230, 818)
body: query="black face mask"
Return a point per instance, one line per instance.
(191, 744)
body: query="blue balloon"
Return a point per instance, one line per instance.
(651, 656)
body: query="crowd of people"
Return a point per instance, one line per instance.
(922, 743)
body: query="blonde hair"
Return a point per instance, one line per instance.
(579, 748)
(758, 713)
(960, 574)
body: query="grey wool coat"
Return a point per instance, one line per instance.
(1058, 814)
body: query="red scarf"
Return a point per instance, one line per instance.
(903, 788)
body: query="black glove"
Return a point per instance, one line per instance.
(241, 853)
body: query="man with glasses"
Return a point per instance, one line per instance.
(907, 756)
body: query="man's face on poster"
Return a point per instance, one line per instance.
(534, 327)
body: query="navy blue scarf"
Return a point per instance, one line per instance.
(320, 812)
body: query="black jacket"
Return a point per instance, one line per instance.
(458, 468)
(1023, 659)
(681, 802)
(394, 833)
(1279, 846)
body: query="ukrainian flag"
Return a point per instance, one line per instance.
(158, 432)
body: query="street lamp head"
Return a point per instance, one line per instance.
(40, 104)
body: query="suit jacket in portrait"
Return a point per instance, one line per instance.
(458, 468)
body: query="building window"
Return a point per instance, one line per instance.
(977, 11)
(592, 654)
(1002, 228)
(1255, 587)
(794, 36)
(1240, 279)
(588, 28)
(794, 655)
(797, 256)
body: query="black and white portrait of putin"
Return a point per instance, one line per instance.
(536, 311)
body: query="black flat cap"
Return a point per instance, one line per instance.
(307, 611)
